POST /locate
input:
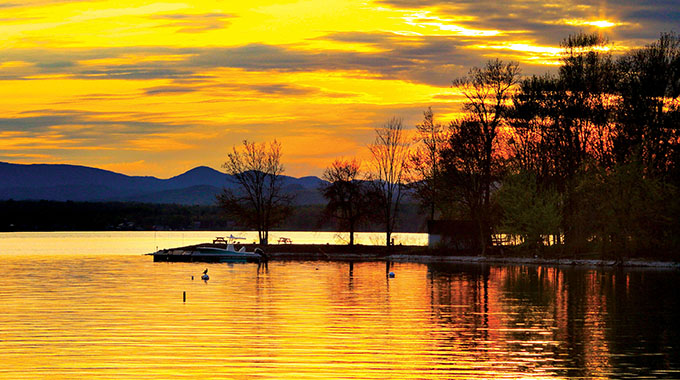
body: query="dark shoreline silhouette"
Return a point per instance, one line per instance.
(134, 216)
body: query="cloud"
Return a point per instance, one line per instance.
(55, 65)
(545, 21)
(48, 120)
(100, 96)
(41, 122)
(195, 23)
(242, 90)
(94, 63)
(96, 137)
(257, 56)
(141, 72)
(283, 89)
(403, 58)
(24, 156)
(425, 59)
(409, 59)
(288, 90)
(165, 90)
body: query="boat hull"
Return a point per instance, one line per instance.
(206, 254)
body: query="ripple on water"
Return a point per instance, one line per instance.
(76, 316)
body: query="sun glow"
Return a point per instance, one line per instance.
(596, 23)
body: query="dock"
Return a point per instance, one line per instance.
(285, 251)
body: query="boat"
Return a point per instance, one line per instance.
(209, 253)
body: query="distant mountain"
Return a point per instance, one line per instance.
(199, 185)
(201, 175)
(41, 175)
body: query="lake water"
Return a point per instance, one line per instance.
(139, 242)
(90, 306)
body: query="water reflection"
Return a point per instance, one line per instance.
(75, 316)
(561, 322)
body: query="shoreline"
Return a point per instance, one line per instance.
(631, 263)
(423, 254)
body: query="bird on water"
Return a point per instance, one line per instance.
(205, 275)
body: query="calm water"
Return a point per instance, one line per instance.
(89, 306)
(134, 243)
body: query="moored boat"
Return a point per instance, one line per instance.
(209, 253)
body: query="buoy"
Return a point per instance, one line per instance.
(192, 278)
(205, 276)
(391, 275)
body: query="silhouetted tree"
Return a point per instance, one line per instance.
(563, 124)
(488, 91)
(648, 110)
(259, 202)
(587, 79)
(532, 146)
(582, 133)
(605, 134)
(424, 162)
(463, 183)
(534, 152)
(390, 153)
(349, 196)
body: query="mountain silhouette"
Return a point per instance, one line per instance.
(198, 186)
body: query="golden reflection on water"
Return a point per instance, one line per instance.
(94, 316)
(140, 242)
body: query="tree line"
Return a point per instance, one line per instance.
(43, 215)
(586, 159)
(583, 160)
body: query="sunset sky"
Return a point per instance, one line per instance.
(157, 88)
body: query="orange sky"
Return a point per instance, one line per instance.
(157, 88)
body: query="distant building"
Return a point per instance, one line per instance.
(460, 235)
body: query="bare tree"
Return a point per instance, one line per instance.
(259, 202)
(424, 162)
(390, 153)
(349, 196)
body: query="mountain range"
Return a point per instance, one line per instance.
(198, 186)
